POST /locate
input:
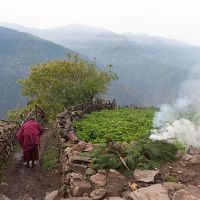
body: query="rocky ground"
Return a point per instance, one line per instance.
(79, 181)
(174, 181)
(186, 170)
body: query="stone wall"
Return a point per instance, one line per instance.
(7, 140)
(81, 182)
(64, 121)
(74, 166)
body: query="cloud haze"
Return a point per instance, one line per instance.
(177, 19)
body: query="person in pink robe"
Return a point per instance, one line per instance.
(28, 137)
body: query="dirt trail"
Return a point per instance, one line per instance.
(35, 182)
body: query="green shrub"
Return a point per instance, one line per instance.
(59, 84)
(145, 154)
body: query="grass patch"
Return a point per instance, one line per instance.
(50, 158)
(123, 124)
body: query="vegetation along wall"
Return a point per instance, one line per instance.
(7, 140)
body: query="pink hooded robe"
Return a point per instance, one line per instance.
(29, 138)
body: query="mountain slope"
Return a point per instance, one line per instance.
(150, 69)
(18, 51)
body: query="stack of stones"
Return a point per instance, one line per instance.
(7, 140)
(81, 181)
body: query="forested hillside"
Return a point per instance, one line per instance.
(150, 69)
(19, 51)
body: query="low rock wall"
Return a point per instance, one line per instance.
(81, 182)
(75, 166)
(7, 140)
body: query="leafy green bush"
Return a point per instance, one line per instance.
(124, 124)
(58, 84)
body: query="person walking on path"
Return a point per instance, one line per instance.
(28, 137)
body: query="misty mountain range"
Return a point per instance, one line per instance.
(19, 51)
(150, 69)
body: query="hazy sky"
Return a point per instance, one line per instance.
(178, 19)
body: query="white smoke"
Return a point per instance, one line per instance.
(181, 119)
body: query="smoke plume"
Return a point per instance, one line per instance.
(180, 120)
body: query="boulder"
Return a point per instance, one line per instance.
(89, 171)
(78, 147)
(189, 193)
(98, 194)
(192, 158)
(173, 186)
(146, 176)
(193, 150)
(3, 197)
(27, 197)
(68, 144)
(67, 150)
(115, 198)
(195, 159)
(186, 157)
(77, 168)
(89, 147)
(153, 192)
(79, 159)
(99, 180)
(116, 183)
(102, 171)
(51, 195)
(78, 186)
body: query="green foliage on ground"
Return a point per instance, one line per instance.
(50, 158)
(124, 133)
(123, 124)
(58, 84)
(144, 154)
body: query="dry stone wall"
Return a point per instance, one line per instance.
(81, 182)
(74, 166)
(64, 121)
(7, 140)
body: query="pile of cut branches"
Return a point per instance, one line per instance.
(144, 154)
